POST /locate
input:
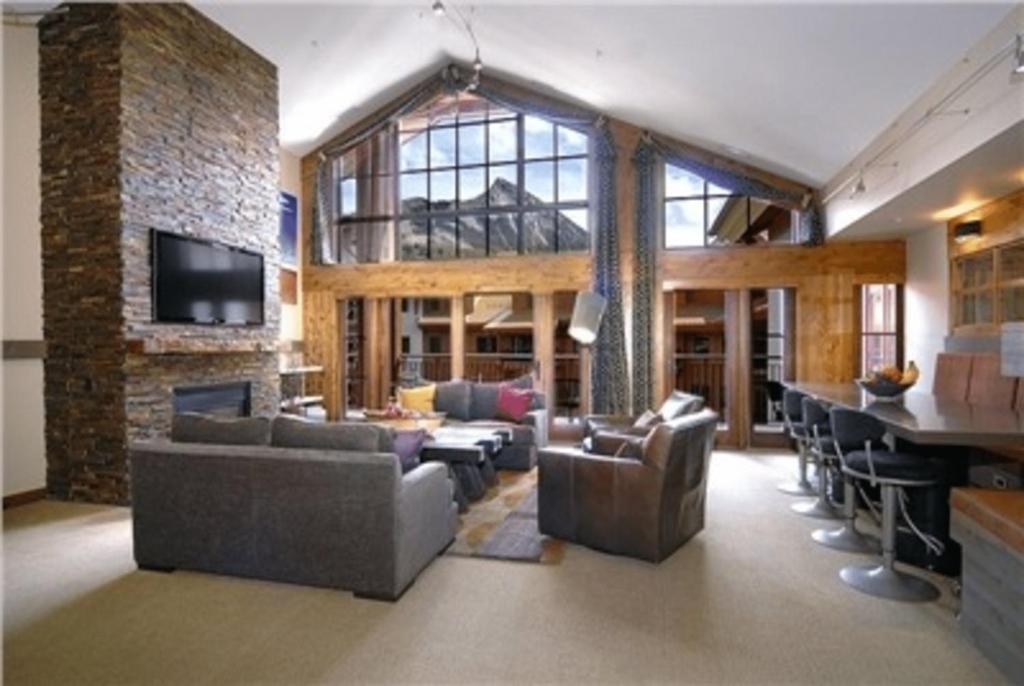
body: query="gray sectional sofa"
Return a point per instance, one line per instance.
(288, 500)
(474, 404)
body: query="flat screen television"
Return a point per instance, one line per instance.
(202, 282)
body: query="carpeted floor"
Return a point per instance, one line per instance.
(750, 600)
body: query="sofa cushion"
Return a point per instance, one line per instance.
(296, 432)
(678, 403)
(525, 382)
(483, 402)
(407, 445)
(193, 427)
(513, 403)
(455, 399)
(420, 399)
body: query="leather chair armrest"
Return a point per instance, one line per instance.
(611, 443)
(595, 422)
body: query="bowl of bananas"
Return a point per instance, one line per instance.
(889, 383)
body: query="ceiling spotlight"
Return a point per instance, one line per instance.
(860, 188)
(478, 65)
(966, 231)
(1018, 55)
(438, 8)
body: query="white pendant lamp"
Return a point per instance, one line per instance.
(586, 316)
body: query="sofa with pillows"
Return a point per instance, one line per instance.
(512, 408)
(286, 499)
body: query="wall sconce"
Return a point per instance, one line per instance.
(966, 231)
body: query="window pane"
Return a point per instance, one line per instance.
(348, 197)
(471, 144)
(879, 351)
(539, 178)
(1011, 262)
(684, 223)
(878, 310)
(502, 141)
(442, 190)
(472, 187)
(719, 190)
(539, 138)
(504, 233)
(414, 193)
(442, 147)
(414, 151)
(727, 220)
(412, 239)
(442, 239)
(1013, 304)
(473, 236)
(503, 189)
(573, 232)
(539, 231)
(572, 180)
(681, 183)
(571, 142)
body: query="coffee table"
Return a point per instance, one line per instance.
(469, 455)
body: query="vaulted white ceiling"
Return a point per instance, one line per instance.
(797, 89)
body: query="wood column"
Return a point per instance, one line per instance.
(458, 336)
(324, 336)
(544, 342)
(378, 351)
(664, 344)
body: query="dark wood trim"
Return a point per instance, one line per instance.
(24, 350)
(24, 498)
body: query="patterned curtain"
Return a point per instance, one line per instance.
(608, 376)
(644, 161)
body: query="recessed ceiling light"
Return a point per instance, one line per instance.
(438, 8)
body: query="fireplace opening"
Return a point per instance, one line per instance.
(225, 400)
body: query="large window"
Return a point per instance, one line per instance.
(880, 327)
(471, 180)
(699, 213)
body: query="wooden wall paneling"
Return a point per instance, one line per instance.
(825, 328)
(737, 368)
(458, 336)
(1002, 221)
(544, 343)
(782, 265)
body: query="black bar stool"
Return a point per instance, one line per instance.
(815, 422)
(847, 438)
(893, 472)
(792, 416)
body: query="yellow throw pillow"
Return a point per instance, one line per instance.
(417, 399)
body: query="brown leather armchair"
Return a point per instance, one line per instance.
(675, 405)
(644, 507)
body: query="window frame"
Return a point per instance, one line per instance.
(393, 173)
(705, 198)
(896, 335)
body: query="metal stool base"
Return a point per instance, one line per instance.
(816, 509)
(797, 488)
(848, 540)
(883, 582)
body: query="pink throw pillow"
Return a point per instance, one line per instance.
(513, 403)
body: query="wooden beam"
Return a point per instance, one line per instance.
(457, 337)
(324, 334)
(782, 265)
(536, 274)
(544, 343)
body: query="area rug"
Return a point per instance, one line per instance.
(503, 524)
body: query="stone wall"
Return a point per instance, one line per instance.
(153, 117)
